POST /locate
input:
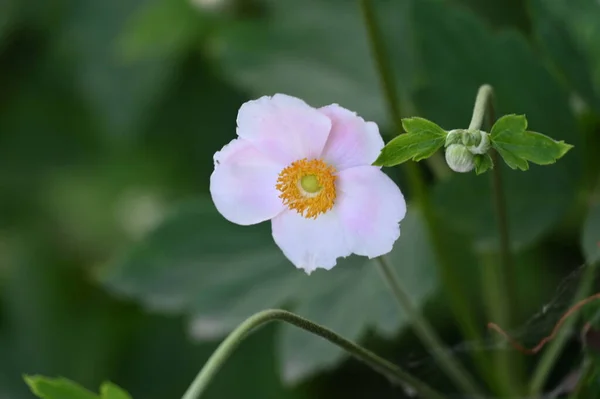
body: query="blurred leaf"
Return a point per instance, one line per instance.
(517, 146)
(119, 90)
(590, 240)
(575, 51)
(109, 390)
(557, 39)
(421, 140)
(318, 51)
(483, 163)
(59, 388)
(459, 54)
(199, 264)
(54, 322)
(163, 28)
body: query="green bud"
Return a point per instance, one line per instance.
(483, 146)
(454, 137)
(471, 138)
(459, 158)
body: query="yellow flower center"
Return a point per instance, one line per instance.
(308, 187)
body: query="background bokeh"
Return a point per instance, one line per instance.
(114, 263)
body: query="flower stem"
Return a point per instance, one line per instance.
(551, 353)
(228, 346)
(451, 281)
(426, 333)
(497, 278)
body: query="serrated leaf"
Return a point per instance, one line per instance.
(421, 140)
(57, 388)
(483, 163)
(108, 390)
(590, 238)
(459, 54)
(218, 274)
(517, 146)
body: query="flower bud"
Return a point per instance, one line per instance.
(471, 138)
(459, 158)
(483, 146)
(454, 137)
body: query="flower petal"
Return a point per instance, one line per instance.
(284, 127)
(352, 141)
(370, 208)
(310, 243)
(243, 184)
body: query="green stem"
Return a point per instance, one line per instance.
(553, 350)
(426, 333)
(497, 278)
(451, 281)
(228, 346)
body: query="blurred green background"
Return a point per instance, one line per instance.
(114, 263)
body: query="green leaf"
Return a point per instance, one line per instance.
(570, 33)
(551, 22)
(121, 91)
(590, 238)
(59, 388)
(163, 28)
(108, 390)
(421, 140)
(218, 274)
(517, 146)
(458, 55)
(318, 51)
(483, 163)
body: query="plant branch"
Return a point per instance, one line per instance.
(228, 346)
(426, 333)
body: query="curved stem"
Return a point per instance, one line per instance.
(426, 333)
(226, 348)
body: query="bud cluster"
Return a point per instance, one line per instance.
(462, 146)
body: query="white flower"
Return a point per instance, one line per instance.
(309, 171)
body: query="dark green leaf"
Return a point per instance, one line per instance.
(163, 28)
(570, 33)
(318, 51)
(59, 388)
(591, 233)
(483, 163)
(218, 274)
(551, 21)
(120, 90)
(517, 146)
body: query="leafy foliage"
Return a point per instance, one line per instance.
(517, 146)
(421, 140)
(61, 388)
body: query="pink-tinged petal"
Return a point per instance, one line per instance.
(370, 208)
(310, 243)
(352, 141)
(243, 184)
(284, 127)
